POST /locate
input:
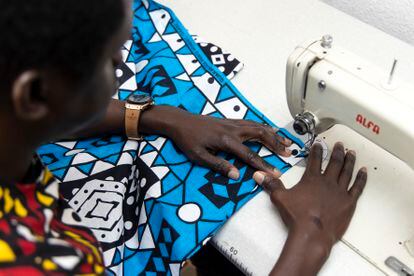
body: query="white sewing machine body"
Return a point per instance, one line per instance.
(341, 95)
(333, 86)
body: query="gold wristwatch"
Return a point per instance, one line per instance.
(134, 106)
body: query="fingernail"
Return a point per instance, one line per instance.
(288, 151)
(288, 141)
(352, 152)
(276, 172)
(233, 174)
(364, 170)
(259, 177)
(275, 129)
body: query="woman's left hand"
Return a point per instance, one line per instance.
(201, 137)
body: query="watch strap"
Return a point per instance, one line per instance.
(132, 117)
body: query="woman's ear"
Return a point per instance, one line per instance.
(28, 96)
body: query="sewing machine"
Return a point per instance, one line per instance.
(328, 86)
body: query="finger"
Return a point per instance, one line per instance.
(276, 143)
(337, 161)
(283, 140)
(359, 184)
(218, 164)
(268, 182)
(263, 135)
(251, 158)
(245, 123)
(315, 159)
(347, 170)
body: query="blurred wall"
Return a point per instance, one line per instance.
(395, 17)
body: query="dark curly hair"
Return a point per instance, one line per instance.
(65, 35)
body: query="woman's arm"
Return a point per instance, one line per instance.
(112, 123)
(199, 137)
(303, 254)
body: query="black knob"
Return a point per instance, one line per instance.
(300, 127)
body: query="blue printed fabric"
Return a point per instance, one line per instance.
(149, 207)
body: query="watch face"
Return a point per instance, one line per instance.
(139, 99)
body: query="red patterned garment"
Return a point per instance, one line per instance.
(33, 238)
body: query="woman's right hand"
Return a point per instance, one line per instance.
(318, 210)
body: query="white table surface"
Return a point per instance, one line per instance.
(262, 34)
